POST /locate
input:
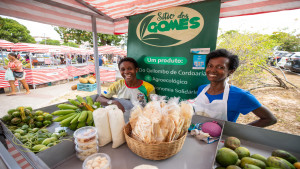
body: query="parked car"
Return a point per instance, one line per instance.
(284, 60)
(277, 56)
(293, 63)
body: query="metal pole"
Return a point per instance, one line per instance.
(30, 61)
(95, 42)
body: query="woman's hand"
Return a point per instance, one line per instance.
(103, 100)
(5, 67)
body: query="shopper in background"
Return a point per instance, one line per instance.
(16, 66)
(223, 101)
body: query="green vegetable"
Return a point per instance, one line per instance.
(63, 112)
(48, 117)
(67, 106)
(47, 141)
(60, 118)
(66, 122)
(83, 116)
(10, 111)
(47, 123)
(90, 117)
(76, 118)
(98, 104)
(38, 147)
(89, 100)
(80, 99)
(74, 102)
(81, 124)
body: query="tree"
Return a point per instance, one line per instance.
(287, 41)
(72, 44)
(81, 36)
(15, 32)
(253, 50)
(50, 42)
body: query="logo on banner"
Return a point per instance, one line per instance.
(170, 27)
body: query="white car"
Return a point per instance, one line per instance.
(283, 60)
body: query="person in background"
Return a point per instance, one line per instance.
(80, 59)
(223, 101)
(129, 88)
(100, 61)
(16, 66)
(27, 58)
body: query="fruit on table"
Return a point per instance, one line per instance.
(297, 165)
(212, 128)
(285, 155)
(253, 161)
(251, 166)
(74, 87)
(77, 114)
(259, 157)
(233, 167)
(226, 157)
(277, 162)
(242, 152)
(232, 143)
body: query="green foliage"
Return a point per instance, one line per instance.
(50, 42)
(81, 36)
(253, 50)
(72, 44)
(15, 32)
(287, 41)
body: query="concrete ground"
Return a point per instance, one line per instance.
(44, 96)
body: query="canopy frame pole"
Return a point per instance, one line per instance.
(95, 44)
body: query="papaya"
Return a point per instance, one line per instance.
(277, 162)
(253, 161)
(233, 167)
(242, 152)
(259, 157)
(226, 156)
(232, 143)
(289, 164)
(251, 166)
(285, 155)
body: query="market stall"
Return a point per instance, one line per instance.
(195, 153)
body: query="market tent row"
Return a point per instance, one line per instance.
(111, 15)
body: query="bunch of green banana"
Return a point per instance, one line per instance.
(77, 114)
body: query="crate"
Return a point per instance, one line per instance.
(86, 87)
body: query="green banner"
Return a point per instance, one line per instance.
(170, 46)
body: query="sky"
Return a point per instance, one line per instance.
(260, 23)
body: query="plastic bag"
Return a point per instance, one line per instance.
(9, 75)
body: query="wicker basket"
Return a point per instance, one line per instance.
(159, 151)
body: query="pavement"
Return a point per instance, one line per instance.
(40, 97)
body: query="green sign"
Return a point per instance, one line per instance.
(170, 46)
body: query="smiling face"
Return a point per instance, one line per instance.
(10, 57)
(218, 69)
(128, 71)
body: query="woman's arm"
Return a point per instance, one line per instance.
(103, 100)
(266, 117)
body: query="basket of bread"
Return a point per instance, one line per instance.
(158, 130)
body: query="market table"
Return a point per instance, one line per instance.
(194, 153)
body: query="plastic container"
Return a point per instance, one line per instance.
(85, 134)
(86, 87)
(87, 145)
(82, 154)
(99, 160)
